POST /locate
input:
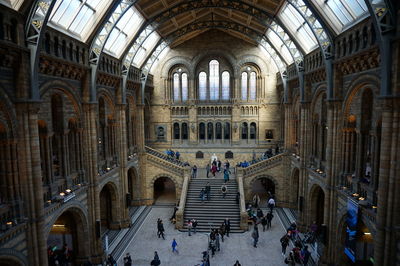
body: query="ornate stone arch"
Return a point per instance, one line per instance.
(254, 61)
(214, 52)
(254, 178)
(173, 179)
(316, 94)
(108, 98)
(80, 213)
(363, 81)
(13, 255)
(178, 60)
(66, 89)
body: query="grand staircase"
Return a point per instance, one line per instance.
(210, 214)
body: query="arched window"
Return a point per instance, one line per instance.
(177, 95)
(176, 131)
(203, 86)
(244, 86)
(253, 131)
(218, 131)
(227, 131)
(184, 131)
(252, 86)
(225, 85)
(244, 130)
(202, 131)
(210, 130)
(184, 87)
(214, 80)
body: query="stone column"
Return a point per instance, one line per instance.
(31, 181)
(122, 149)
(93, 194)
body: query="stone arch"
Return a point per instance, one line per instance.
(255, 61)
(133, 183)
(316, 204)
(254, 180)
(78, 213)
(7, 108)
(66, 89)
(108, 98)
(111, 199)
(12, 257)
(219, 53)
(361, 82)
(172, 178)
(177, 60)
(316, 94)
(295, 188)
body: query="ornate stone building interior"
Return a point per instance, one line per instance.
(93, 93)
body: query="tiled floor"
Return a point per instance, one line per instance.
(236, 247)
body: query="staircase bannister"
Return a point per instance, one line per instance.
(262, 164)
(182, 202)
(242, 205)
(163, 156)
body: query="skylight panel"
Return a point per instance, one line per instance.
(159, 59)
(298, 27)
(145, 49)
(341, 13)
(77, 17)
(123, 32)
(14, 4)
(280, 46)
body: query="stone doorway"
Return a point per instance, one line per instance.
(164, 190)
(66, 240)
(265, 188)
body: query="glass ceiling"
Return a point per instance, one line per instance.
(79, 18)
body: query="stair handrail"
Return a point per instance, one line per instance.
(242, 201)
(182, 202)
(161, 155)
(259, 165)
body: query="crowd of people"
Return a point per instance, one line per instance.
(173, 154)
(264, 156)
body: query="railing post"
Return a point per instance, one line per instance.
(243, 214)
(182, 202)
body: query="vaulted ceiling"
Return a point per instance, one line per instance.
(173, 15)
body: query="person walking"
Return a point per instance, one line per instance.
(127, 260)
(271, 204)
(213, 169)
(111, 261)
(264, 222)
(219, 165)
(177, 155)
(226, 175)
(208, 168)
(255, 235)
(222, 231)
(224, 190)
(213, 246)
(194, 171)
(174, 244)
(217, 237)
(305, 255)
(269, 219)
(189, 226)
(227, 164)
(237, 197)
(256, 200)
(260, 213)
(202, 195)
(284, 243)
(237, 263)
(156, 260)
(208, 190)
(227, 226)
(194, 225)
(160, 227)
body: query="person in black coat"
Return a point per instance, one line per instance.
(227, 226)
(160, 228)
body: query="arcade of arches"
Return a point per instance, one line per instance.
(304, 94)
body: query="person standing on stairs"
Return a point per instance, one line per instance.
(222, 231)
(208, 168)
(189, 226)
(227, 226)
(194, 171)
(224, 190)
(208, 190)
(217, 236)
(194, 225)
(226, 175)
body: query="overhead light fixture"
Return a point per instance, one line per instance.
(367, 233)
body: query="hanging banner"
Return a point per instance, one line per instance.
(351, 230)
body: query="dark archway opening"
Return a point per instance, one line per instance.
(164, 190)
(62, 242)
(265, 188)
(105, 208)
(318, 202)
